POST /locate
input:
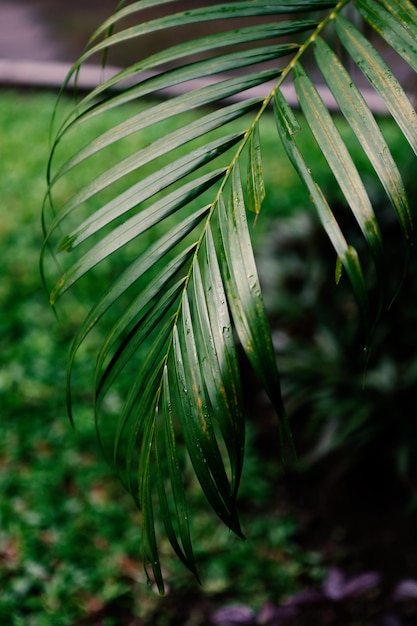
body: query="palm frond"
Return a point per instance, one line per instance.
(173, 306)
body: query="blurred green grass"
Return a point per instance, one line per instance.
(69, 535)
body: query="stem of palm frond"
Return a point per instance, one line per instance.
(266, 102)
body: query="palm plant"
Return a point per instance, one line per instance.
(170, 219)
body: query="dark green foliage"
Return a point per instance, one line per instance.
(70, 539)
(167, 371)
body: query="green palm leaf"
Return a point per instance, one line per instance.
(166, 208)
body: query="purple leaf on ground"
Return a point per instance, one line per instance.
(361, 584)
(405, 590)
(334, 584)
(308, 596)
(237, 615)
